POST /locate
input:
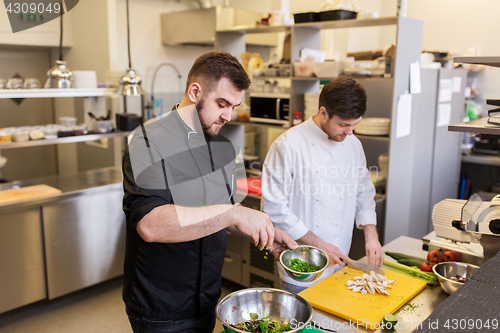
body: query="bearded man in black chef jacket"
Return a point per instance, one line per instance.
(179, 183)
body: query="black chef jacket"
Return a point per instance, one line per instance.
(168, 162)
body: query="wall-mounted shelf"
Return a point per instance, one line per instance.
(340, 24)
(482, 159)
(68, 139)
(269, 95)
(480, 126)
(254, 123)
(493, 61)
(54, 93)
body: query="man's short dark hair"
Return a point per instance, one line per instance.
(343, 97)
(210, 67)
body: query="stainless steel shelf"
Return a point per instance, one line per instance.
(253, 123)
(49, 93)
(485, 60)
(315, 78)
(480, 126)
(493, 160)
(340, 24)
(68, 139)
(269, 95)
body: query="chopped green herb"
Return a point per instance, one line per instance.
(264, 325)
(302, 266)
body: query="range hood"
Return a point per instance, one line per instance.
(197, 27)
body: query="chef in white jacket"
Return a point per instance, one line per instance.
(315, 183)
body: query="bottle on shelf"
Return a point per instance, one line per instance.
(297, 118)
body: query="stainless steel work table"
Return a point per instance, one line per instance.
(56, 245)
(422, 305)
(70, 185)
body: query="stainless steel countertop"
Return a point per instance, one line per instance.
(70, 185)
(408, 318)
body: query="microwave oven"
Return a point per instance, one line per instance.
(270, 108)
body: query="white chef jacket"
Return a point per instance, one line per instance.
(310, 182)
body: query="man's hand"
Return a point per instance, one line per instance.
(374, 251)
(255, 224)
(282, 241)
(330, 249)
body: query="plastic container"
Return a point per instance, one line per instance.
(103, 126)
(50, 132)
(338, 14)
(285, 70)
(64, 131)
(67, 121)
(5, 137)
(328, 68)
(302, 69)
(79, 130)
(271, 71)
(306, 17)
(21, 135)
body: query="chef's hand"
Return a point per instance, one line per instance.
(282, 242)
(255, 224)
(374, 251)
(335, 254)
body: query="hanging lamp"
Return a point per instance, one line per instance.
(130, 83)
(59, 76)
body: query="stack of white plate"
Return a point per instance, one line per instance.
(373, 126)
(311, 104)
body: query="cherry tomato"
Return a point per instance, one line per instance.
(426, 267)
(449, 256)
(434, 257)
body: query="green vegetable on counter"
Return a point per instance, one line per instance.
(302, 266)
(397, 256)
(411, 262)
(430, 278)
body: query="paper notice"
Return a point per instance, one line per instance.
(457, 84)
(403, 121)
(415, 87)
(443, 115)
(445, 90)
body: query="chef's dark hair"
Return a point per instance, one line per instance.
(210, 67)
(343, 97)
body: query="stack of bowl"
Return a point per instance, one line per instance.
(373, 126)
(311, 105)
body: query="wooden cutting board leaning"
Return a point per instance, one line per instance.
(331, 295)
(27, 193)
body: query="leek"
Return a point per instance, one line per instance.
(430, 278)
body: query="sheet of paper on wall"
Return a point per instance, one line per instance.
(457, 84)
(445, 90)
(403, 120)
(443, 114)
(415, 87)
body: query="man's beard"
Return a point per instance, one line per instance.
(204, 125)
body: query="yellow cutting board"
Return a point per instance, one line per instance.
(27, 193)
(331, 295)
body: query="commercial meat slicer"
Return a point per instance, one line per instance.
(471, 228)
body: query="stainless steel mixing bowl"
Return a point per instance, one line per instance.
(445, 270)
(276, 304)
(306, 253)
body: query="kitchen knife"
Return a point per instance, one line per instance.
(367, 268)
